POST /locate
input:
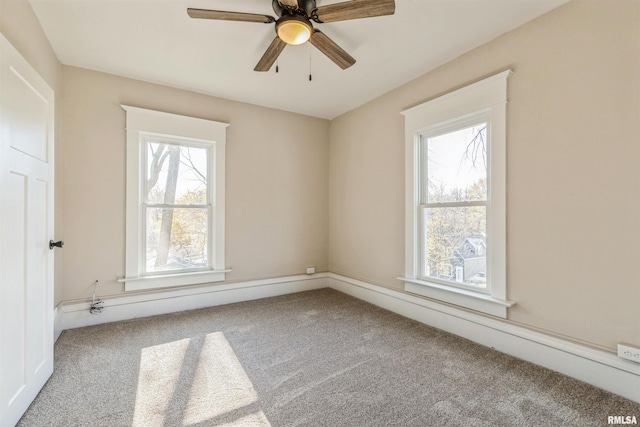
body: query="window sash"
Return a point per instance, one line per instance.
(152, 138)
(145, 140)
(144, 243)
(440, 129)
(423, 252)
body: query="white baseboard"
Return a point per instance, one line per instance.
(599, 368)
(69, 316)
(56, 322)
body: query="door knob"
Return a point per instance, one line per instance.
(53, 244)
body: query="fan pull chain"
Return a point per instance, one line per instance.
(310, 76)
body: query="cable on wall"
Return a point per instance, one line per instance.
(96, 304)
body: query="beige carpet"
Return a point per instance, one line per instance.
(318, 358)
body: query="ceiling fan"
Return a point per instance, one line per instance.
(294, 26)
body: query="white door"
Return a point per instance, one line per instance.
(26, 225)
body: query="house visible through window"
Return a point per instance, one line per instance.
(456, 197)
(453, 203)
(175, 200)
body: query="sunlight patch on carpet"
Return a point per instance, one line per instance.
(195, 381)
(220, 386)
(160, 368)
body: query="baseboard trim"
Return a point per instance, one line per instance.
(56, 324)
(599, 368)
(125, 307)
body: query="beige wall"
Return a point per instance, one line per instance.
(276, 181)
(20, 26)
(573, 171)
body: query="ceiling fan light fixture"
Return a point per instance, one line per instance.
(294, 29)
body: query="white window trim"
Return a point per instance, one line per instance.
(489, 94)
(140, 122)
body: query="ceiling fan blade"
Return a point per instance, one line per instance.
(354, 9)
(229, 16)
(334, 52)
(270, 56)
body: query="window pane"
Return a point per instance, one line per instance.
(457, 165)
(455, 245)
(176, 174)
(176, 238)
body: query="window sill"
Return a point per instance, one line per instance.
(169, 280)
(461, 297)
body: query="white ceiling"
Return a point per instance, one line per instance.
(155, 41)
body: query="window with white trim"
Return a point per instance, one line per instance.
(456, 197)
(175, 200)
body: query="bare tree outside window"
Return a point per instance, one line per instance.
(177, 216)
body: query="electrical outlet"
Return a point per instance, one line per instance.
(629, 353)
(311, 270)
(97, 306)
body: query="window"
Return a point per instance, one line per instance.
(175, 200)
(456, 201)
(453, 201)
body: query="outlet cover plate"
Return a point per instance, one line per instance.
(630, 353)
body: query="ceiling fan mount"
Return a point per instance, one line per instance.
(294, 26)
(306, 6)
